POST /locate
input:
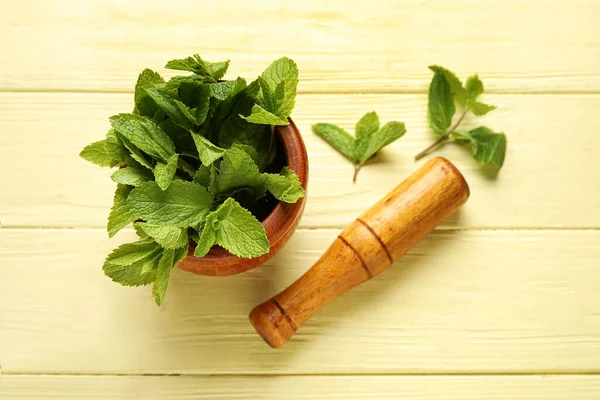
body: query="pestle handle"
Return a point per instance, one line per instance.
(365, 248)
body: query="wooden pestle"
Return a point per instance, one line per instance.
(365, 248)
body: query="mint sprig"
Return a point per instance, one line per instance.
(192, 157)
(368, 140)
(446, 91)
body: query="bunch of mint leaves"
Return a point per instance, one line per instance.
(446, 92)
(192, 157)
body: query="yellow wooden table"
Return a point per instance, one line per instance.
(501, 302)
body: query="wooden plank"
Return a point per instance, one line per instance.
(533, 46)
(460, 302)
(32, 387)
(547, 181)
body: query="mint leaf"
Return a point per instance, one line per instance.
(368, 145)
(236, 230)
(202, 176)
(196, 96)
(474, 88)
(135, 153)
(238, 131)
(144, 134)
(251, 151)
(460, 94)
(139, 231)
(133, 264)
(277, 94)
(98, 153)
(368, 124)
(338, 138)
(480, 109)
(176, 110)
(238, 171)
(261, 116)
(285, 186)
(223, 90)
(206, 240)
(120, 215)
(182, 204)
(130, 253)
(207, 150)
(163, 275)
(168, 236)
(441, 104)
(370, 138)
(285, 71)
(164, 172)
(144, 105)
(197, 65)
(488, 147)
(133, 175)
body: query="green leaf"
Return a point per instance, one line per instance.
(115, 147)
(133, 175)
(251, 151)
(369, 145)
(459, 92)
(145, 134)
(237, 131)
(488, 147)
(197, 65)
(480, 109)
(474, 87)
(224, 90)
(144, 105)
(236, 230)
(139, 231)
(176, 110)
(367, 125)
(133, 264)
(130, 253)
(261, 116)
(164, 172)
(98, 153)
(168, 236)
(238, 171)
(337, 138)
(182, 204)
(207, 150)
(163, 275)
(285, 186)
(120, 214)
(441, 104)
(135, 153)
(206, 241)
(202, 176)
(217, 69)
(283, 70)
(196, 96)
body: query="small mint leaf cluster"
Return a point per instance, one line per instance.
(369, 138)
(446, 91)
(193, 155)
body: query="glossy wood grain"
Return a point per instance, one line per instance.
(365, 248)
(279, 225)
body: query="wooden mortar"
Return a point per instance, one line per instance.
(365, 248)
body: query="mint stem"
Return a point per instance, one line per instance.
(443, 138)
(356, 169)
(270, 148)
